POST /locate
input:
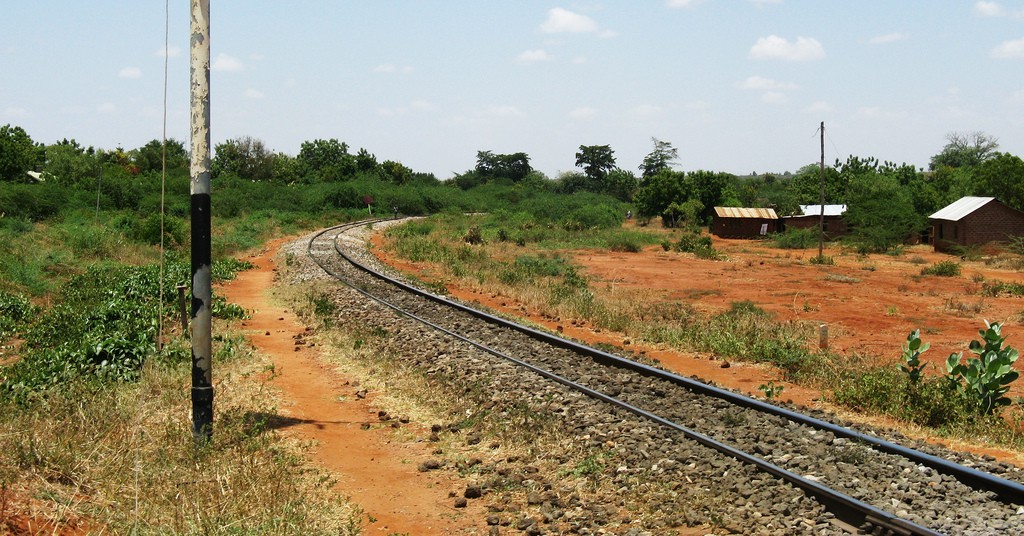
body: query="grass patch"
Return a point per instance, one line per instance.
(840, 278)
(942, 269)
(796, 239)
(123, 458)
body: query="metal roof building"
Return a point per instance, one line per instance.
(815, 210)
(974, 221)
(744, 222)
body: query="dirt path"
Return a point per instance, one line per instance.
(374, 469)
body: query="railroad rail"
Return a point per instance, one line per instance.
(532, 350)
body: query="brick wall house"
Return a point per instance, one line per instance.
(974, 221)
(736, 222)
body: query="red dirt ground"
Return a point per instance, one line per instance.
(869, 304)
(375, 471)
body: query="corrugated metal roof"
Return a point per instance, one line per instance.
(744, 212)
(830, 210)
(960, 208)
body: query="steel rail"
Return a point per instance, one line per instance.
(848, 510)
(1008, 490)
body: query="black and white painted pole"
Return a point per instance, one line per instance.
(202, 345)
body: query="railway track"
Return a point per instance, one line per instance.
(773, 462)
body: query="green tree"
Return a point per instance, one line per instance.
(660, 191)
(596, 160)
(515, 166)
(806, 185)
(18, 154)
(710, 188)
(326, 161)
(965, 150)
(1002, 176)
(621, 184)
(880, 213)
(395, 172)
(365, 161)
(149, 157)
(245, 157)
(662, 157)
(69, 163)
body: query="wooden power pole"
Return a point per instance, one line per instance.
(202, 314)
(821, 199)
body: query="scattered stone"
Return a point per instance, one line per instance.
(429, 465)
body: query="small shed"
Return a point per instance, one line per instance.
(743, 222)
(810, 215)
(974, 221)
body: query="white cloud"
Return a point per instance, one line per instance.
(224, 62)
(818, 107)
(774, 97)
(172, 52)
(392, 68)
(646, 110)
(765, 2)
(775, 47)
(15, 111)
(254, 94)
(583, 112)
(681, 3)
(1009, 49)
(564, 21)
(988, 9)
(505, 111)
(130, 72)
(697, 106)
(888, 38)
(106, 108)
(875, 112)
(580, 60)
(531, 56)
(761, 83)
(421, 105)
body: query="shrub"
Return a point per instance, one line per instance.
(984, 380)
(997, 288)
(796, 238)
(912, 351)
(942, 268)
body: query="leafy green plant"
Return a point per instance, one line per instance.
(984, 380)
(912, 351)
(943, 269)
(770, 390)
(796, 238)
(996, 288)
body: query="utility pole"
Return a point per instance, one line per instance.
(202, 314)
(821, 199)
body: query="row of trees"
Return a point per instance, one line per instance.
(68, 162)
(886, 201)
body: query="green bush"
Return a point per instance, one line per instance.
(985, 380)
(942, 268)
(796, 238)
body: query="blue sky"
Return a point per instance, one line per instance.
(735, 85)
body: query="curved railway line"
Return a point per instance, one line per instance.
(773, 463)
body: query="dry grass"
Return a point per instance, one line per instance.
(123, 460)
